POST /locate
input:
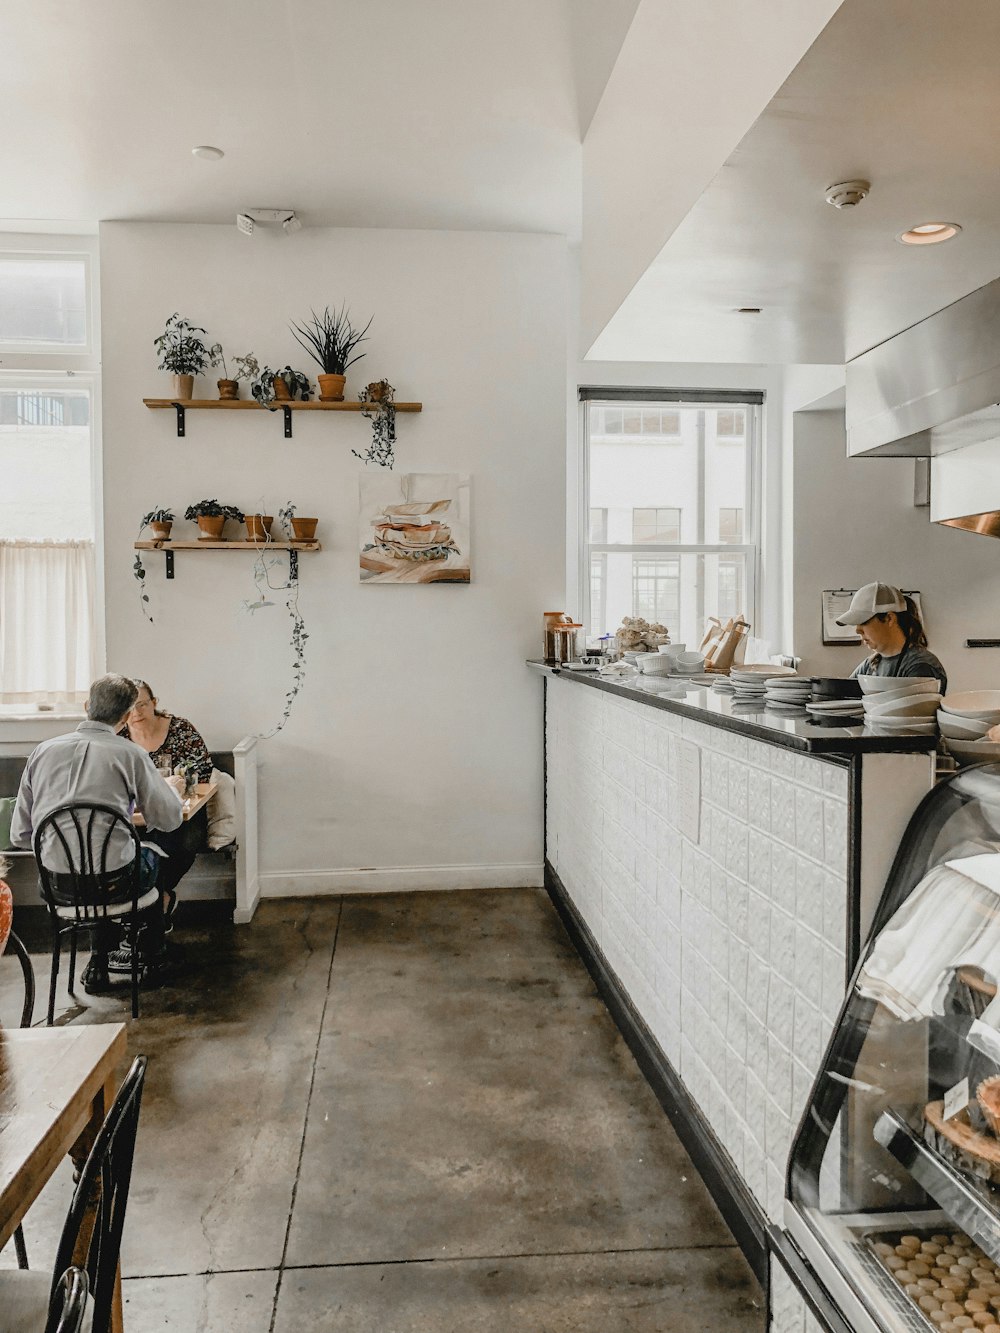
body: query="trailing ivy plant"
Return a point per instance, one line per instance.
(299, 634)
(380, 410)
(160, 515)
(262, 385)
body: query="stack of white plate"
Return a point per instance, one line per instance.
(965, 719)
(901, 703)
(787, 693)
(750, 682)
(844, 711)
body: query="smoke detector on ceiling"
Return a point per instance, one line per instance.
(848, 194)
(268, 217)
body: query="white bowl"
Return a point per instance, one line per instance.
(690, 661)
(961, 728)
(974, 752)
(983, 705)
(888, 726)
(913, 705)
(754, 670)
(653, 664)
(672, 649)
(897, 696)
(904, 684)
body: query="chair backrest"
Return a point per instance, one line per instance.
(68, 1307)
(107, 1173)
(88, 838)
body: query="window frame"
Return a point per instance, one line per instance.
(752, 402)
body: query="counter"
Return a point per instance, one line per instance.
(718, 869)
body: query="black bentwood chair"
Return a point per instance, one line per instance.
(103, 1188)
(89, 893)
(69, 1303)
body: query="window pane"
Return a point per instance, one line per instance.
(680, 591)
(731, 526)
(661, 527)
(45, 465)
(43, 302)
(599, 526)
(731, 424)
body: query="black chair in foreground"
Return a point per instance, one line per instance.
(69, 1303)
(87, 838)
(14, 944)
(30, 1301)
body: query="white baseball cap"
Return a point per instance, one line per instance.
(874, 599)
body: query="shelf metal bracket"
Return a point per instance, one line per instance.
(288, 422)
(170, 563)
(180, 420)
(293, 566)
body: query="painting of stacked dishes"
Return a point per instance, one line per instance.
(414, 528)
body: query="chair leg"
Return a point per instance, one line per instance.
(28, 972)
(21, 1248)
(135, 968)
(54, 977)
(72, 960)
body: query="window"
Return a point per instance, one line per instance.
(660, 526)
(49, 640)
(730, 425)
(673, 522)
(731, 526)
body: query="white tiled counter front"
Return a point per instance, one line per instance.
(733, 947)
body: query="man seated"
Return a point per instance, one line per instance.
(95, 764)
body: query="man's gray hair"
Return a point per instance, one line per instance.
(111, 697)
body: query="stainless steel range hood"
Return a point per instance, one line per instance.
(934, 391)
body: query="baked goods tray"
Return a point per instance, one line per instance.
(973, 1206)
(865, 1246)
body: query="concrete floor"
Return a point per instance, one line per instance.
(401, 1114)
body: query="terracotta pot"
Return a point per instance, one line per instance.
(304, 529)
(161, 531)
(258, 526)
(229, 389)
(184, 387)
(331, 388)
(211, 527)
(282, 393)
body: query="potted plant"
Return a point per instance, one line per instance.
(258, 526)
(297, 529)
(330, 339)
(182, 353)
(211, 518)
(159, 522)
(379, 408)
(271, 386)
(246, 367)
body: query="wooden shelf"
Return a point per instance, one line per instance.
(248, 404)
(197, 545)
(184, 405)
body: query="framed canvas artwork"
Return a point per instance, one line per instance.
(414, 527)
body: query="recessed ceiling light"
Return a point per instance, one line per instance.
(209, 153)
(930, 233)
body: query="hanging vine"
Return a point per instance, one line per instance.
(299, 635)
(380, 410)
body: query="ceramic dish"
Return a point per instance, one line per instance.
(693, 661)
(672, 649)
(911, 684)
(753, 670)
(914, 705)
(961, 728)
(898, 696)
(975, 752)
(912, 726)
(983, 705)
(835, 706)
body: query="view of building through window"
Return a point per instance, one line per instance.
(43, 302)
(660, 478)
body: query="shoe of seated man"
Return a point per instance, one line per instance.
(95, 979)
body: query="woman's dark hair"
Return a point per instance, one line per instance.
(909, 622)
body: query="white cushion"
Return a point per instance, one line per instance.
(221, 811)
(24, 1300)
(114, 909)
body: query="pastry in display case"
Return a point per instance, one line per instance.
(893, 1198)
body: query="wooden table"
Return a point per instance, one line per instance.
(203, 793)
(56, 1086)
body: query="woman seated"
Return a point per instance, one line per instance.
(170, 741)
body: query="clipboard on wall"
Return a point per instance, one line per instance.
(835, 602)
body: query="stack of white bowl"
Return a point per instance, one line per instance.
(965, 719)
(901, 703)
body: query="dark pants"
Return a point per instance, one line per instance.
(181, 846)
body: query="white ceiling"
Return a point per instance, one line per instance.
(903, 92)
(375, 113)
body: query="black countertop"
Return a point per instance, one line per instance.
(720, 710)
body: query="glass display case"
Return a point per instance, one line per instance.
(893, 1197)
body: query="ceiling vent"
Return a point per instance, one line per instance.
(848, 194)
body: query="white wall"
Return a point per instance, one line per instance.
(855, 522)
(415, 750)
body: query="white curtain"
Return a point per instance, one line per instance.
(46, 621)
